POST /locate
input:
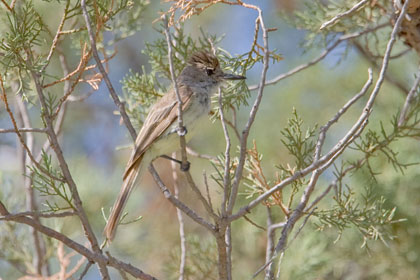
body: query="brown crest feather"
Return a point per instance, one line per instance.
(204, 59)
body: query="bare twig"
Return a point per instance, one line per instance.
(22, 141)
(193, 153)
(409, 100)
(38, 214)
(91, 256)
(254, 223)
(82, 67)
(320, 57)
(56, 37)
(346, 13)
(10, 8)
(60, 117)
(324, 129)
(226, 179)
(180, 222)
(85, 270)
(23, 130)
(390, 78)
(31, 203)
(177, 203)
(207, 190)
(269, 249)
(268, 266)
(245, 132)
(101, 68)
(320, 197)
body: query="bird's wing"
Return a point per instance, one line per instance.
(161, 116)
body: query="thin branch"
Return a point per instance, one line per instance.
(390, 78)
(23, 130)
(409, 99)
(82, 250)
(193, 153)
(302, 226)
(180, 222)
(226, 179)
(207, 190)
(234, 128)
(320, 57)
(245, 132)
(320, 197)
(177, 203)
(299, 211)
(10, 8)
(31, 203)
(85, 270)
(324, 129)
(268, 266)
(60, 117)
(346, 13)
(269, 249)
(101, 68)
(22, 141)
(254, 223)
(56, 37)
(82, 65)
(38, 214)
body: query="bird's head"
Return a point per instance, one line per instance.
(205, 67)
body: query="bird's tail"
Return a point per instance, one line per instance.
(117, 209)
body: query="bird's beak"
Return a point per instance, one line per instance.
(232, 77)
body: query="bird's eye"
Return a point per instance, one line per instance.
(209, 71)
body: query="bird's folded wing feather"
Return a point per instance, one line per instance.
(161, 116)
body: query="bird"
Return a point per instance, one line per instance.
(197, 82)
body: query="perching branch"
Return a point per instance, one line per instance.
(346, 13)
(177, 203)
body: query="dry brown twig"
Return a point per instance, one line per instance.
(257, 173)
(81, 68)
(9, 7)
